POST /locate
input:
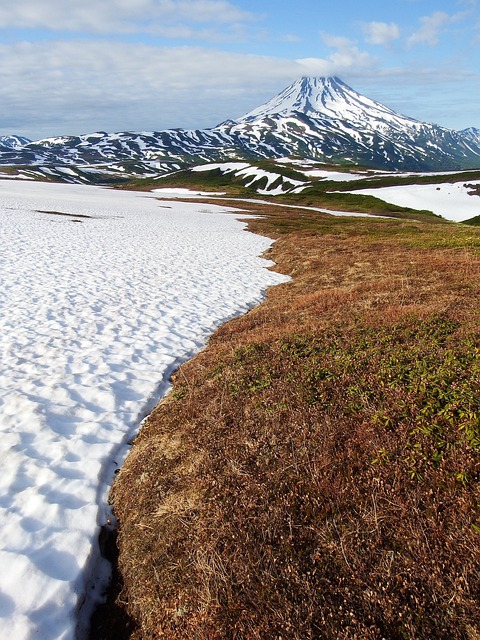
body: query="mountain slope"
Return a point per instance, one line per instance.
(317, 118)
(12, 142)
(471, 135)
(325, 119)
(174, 145)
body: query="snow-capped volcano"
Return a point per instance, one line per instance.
(321, 119)
(329, 98)
(332, 99)
(325, 119)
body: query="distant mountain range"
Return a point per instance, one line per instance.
(321, 119)
(7, 143)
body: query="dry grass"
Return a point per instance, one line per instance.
(314, 472)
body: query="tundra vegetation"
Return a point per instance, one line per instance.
(314, 472)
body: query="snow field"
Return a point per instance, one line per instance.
(94, 314)
(450, 200)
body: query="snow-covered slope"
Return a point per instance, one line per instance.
(454, 201)
(318, 118)
(12, 142)
(159, 146)
(472, 135)
(262, 181)
(325, 119)
(97, 173)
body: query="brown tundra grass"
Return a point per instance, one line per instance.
(314, 471)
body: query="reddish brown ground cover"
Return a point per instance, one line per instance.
(314, 472)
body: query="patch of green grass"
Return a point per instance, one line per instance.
(9, 170)
(472, 221)
(418, 232)
(418, 377)
(210, 181)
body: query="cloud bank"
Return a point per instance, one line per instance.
(381, 33)
(73, 87)
(119, 16)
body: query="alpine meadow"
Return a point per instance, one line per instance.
(241, 375)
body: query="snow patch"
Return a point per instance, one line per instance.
(185, 193)
(99, 302)
(336, 176)
(450, 200)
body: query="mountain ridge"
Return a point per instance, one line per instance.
(321, 119)
(13, 142)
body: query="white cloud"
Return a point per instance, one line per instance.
(316, 67)
(290, 37)
(54, 88)
(119, 16)
(336, 42)
(346, 55)
(469, 4)
(430, 29)
(71, 87)
(381, 33)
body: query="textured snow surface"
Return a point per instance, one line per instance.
(180, 192)
(452, 201)
(94, 313)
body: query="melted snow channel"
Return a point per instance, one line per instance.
(94, 313)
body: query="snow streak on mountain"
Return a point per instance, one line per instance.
(471, 134)
(321, 119)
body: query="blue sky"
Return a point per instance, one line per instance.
(77, 66)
